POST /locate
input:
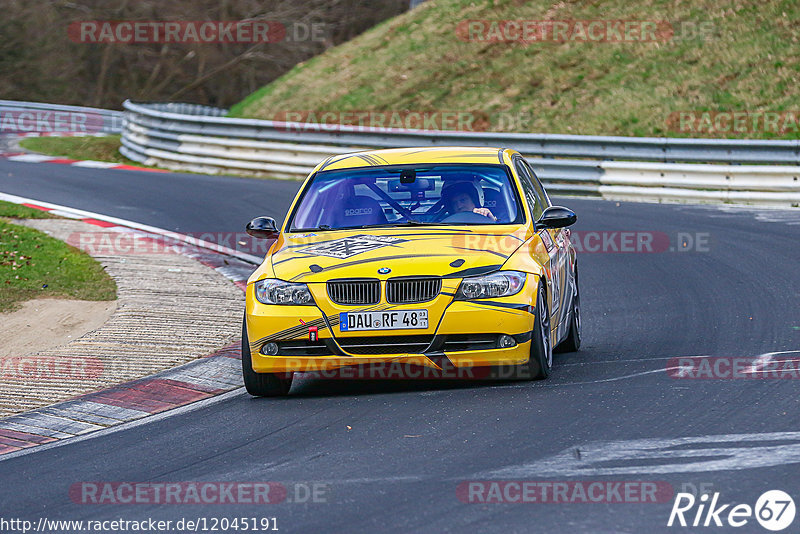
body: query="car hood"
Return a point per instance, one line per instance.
(414, 251)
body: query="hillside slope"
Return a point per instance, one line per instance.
(707, 56)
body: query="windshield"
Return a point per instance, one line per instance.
(396, 196)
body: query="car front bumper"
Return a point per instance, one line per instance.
(460, 335)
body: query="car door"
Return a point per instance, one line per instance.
(566, 261)
(559, 264)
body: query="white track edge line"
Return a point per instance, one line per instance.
(249, 258)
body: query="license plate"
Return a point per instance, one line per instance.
(388, 320)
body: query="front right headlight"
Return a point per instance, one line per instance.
(499, 284)
(272, 291)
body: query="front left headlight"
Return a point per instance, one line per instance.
(499, 284)
(271, 291)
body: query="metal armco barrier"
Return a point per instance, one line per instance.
(201, 139)
(771, 185)
(190, 137)
(32, 118)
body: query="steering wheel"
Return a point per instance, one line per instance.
(466, 217)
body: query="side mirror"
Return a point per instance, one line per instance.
(263, 228)
(556, 217)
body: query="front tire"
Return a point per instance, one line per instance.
(261, 384)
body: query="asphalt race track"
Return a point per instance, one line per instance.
(391, 455)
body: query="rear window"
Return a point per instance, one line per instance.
(399, 196)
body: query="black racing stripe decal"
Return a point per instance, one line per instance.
(495, 308)
(420, 151)
(505, 257)
(507, 235)
(323, 323)
(292, 332)
(367, 159)
(507, 305)
(310, 243)
(376, 160)
(289, 333)
(440, 359)
(473, 155)
(325, 163)
(334, 159)
(290, 259)
(510, 305)
(474, 271)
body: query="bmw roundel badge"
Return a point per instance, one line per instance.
(384, 270)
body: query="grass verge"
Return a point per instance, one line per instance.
(34, 265)
(18, 211)
(96, 149)
(104, 148)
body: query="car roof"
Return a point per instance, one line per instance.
(416, 155)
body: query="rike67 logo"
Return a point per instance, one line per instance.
(774, 510)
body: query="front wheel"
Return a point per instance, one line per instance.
(261, 384)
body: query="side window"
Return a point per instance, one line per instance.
(531, 197)
(537, 186)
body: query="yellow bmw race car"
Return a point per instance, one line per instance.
(433, 259)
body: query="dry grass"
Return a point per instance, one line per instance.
(747, 61)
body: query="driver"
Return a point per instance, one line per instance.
(461, 197)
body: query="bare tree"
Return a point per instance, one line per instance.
(39, 60)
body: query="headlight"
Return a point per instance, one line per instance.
(500, 284)
(271, 291)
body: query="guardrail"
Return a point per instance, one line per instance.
(33, 118)
(201, 139)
